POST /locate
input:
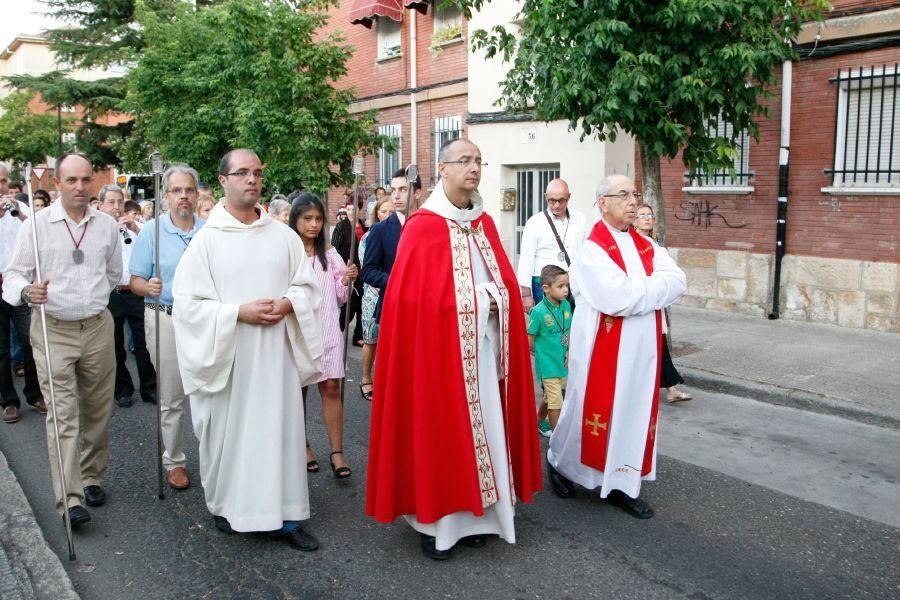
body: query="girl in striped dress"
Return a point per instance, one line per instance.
(308, 220)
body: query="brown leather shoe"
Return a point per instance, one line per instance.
(178, 478)
(40, 406)
(11, 414)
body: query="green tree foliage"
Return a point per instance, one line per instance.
(24, 135)
(97, 34)
(248, 73)
(659, 70)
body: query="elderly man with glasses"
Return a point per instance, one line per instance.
(553, 236)
(606, 435)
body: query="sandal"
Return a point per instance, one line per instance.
(312, 466)
(367, 395)
(679, 397)
(339, 472)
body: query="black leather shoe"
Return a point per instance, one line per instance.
(149, 399)
(430, 550)
(561, 486)
(124, 401)
(635, 507)
(223, 525)
(78, 515)
(473, 541)
(94, 495)
(300, 540)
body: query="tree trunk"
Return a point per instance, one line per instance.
(652, 187)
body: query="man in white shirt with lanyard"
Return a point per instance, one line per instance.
(81, 262)
(551, 237)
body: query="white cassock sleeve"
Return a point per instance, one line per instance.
(305, 329)
(599, 282)
(205, 326)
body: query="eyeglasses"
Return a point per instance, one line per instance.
(623, 195)
(556, 200)
(466, 161)
(178, 191)
(244, 174)
(645, 216)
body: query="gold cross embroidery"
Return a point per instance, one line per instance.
(596, 424)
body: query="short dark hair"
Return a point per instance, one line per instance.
(401, 172)
(444, 152)
(225, 163)
(42, 194)
(380, 188)
(551, 273)
(16, 184)
(131, 205)
(204, 187)
(63, 157)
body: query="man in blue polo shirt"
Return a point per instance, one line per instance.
(176, 229)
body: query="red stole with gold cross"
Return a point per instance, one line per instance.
(600, 391)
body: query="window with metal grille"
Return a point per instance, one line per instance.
(388, 161)
(445, 129)
(739, 174)
(867, 128)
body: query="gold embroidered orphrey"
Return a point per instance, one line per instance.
(493, 266)
(464, 287)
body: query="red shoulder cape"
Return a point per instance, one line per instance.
(421, 457)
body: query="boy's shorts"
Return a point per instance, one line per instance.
(553, 392)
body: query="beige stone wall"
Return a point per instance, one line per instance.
(851, 293)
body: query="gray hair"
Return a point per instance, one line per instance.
(106, 189)
(604, 187)
(5, 167)
(180, 168)
(278, 206)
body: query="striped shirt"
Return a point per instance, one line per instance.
(76, 291)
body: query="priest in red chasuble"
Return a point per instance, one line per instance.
(606, 435)
(453, 437)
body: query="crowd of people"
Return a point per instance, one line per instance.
(446, 325)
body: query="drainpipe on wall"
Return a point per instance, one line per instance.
(783, 155)
(413, 125)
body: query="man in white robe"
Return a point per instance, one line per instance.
(606, 436)
(248, 338)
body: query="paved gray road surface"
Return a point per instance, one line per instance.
(741, 513)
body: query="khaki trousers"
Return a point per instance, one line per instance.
(170, 394)
(84, 366)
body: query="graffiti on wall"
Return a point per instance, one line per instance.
(701, 212)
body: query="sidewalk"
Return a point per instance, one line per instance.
(851, 373)
(28, 567)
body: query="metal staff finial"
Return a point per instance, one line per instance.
(54, 415)
(157, 165)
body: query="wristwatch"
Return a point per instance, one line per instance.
(26, 294)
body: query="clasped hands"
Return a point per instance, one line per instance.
(267, 311)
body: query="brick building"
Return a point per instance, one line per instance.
(409, 64)
(843, 186)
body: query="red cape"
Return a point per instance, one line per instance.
(421, 449)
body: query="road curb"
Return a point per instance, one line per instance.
(25, 554)
(782, 396)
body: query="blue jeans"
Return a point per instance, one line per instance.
(536, 292)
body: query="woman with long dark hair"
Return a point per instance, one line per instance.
(308, 219)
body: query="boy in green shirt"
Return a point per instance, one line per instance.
(548, 334)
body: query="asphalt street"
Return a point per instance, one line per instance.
(752, 501)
